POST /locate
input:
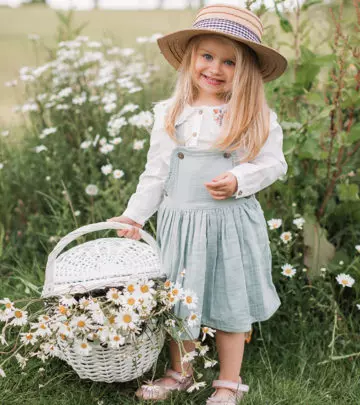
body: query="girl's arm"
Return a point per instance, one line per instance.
(266, 168)
(150, 189)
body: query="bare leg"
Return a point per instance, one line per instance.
(230, 348)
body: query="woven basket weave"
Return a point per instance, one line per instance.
(100, 263)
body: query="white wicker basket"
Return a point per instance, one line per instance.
(100, 263)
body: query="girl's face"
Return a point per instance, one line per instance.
(213, 68)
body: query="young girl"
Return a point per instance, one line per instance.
(214, 144)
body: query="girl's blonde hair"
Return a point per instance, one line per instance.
(246, 120)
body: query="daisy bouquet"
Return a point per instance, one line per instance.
(110, 318)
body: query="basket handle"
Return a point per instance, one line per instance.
(88, 229)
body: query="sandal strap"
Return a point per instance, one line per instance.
(231, 385)
(177, 376)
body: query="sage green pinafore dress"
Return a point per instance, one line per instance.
(223, 245)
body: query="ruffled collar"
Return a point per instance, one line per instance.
(190, 110)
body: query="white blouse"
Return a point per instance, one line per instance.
(200, 126)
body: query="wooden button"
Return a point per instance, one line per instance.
(194, 134)
(239, 192)
(200, 112)
(180, 155)
(227, 155)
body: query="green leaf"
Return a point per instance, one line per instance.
(354, 134)
(309, 3)
(315, 98)
(348, 192)
(318, 250)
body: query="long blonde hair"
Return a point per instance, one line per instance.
(246, 120)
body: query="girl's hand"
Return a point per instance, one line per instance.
(128, 233)
(222, 186)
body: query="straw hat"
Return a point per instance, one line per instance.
(233, 22)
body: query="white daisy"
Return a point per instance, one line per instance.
(5, 316)
(20, 317)
(9, 306)
(81, 323)
(170, 322)
(187, 357)
(190, 299)
(145, 287)
(85, 144)
(128, 300)
(288, 270)
(193, 319)
(299, 222)
(68, 301)
(42, 329)
(2, 373)
(21, 360)
(91, 189)
(286, 237)
(116, 141)
(65, 330)
(127, 320)
(114, 295)
(345, 280)
(118, 174)
(209, 363)
(207, 331)
(131, 287)
(357, 247)
(115, 340)
(203, 350)
(196, 386)
(274, 223)
(82, 347)
(106, 169)
(358, 306)
(40, 148)
(50, 349)
(28, 338)
(44, 318)
(138, 145)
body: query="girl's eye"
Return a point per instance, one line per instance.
(207, 56)
(230, 62)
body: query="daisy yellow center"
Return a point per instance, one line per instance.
(112, 319)
(171, 299)
(144, 289)
(81, 324)
(84, 345)
(131, 301)
(18, 314)
(45, 318)
(193, 316)
(29, 336)
(115, 296)
(189, 299)
(131, 288)
(175, 291)
(42, 326)
(63, 337)
(62, 309)
(286, 236)
(127, 318)
(205, 330)
(167, 284)
(8, 305)
(85, 303)
(116, 338)
(345, 282)
(287, 271)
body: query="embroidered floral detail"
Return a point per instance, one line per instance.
(218, 115)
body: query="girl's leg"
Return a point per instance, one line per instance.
(189, 346)
(230, 348)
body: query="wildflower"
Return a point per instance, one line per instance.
(288, 270)
(128, 300)
(28, 338)
(170, 322)
(116, 340)
(135, 90)
(139, 145)
(299, 222)
(209, 363)
(21, 360)
(85, 144)
(82, 347)
(109, 108)
(358, 306)
(131, 287)
(145, 287)
(116, 141)
(196, 386)
(114, 296)
(341, 262)
(274, 223)
(286, 237)
(129, 108)
(207, 331)
(193, 319)
(40, 148)
(41, 370)
(42, 329)
(91, 189)
(50, 349)
(189, 299)
(143, 119)
(46, 132)
(68, 301)
(107, 148)
(357, 247)
(79, 100)
(2, 373)
(323, 269)
(5, 133)
(127, 320)
(77, 213)
(182, 273)
(118, 174)
(345, 280)
(81, 323)
(20, 317)
(106, 169)
(9, 306)
(65, 92)
(187, 357)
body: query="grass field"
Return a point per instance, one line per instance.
(123, 26)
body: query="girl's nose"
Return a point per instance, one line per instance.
(215, 67)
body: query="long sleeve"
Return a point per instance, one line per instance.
(150, 189)
(266, 168)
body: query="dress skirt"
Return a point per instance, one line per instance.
(218, 249)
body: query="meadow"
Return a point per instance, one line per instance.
(84, 120)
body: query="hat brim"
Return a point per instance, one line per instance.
(173, 45)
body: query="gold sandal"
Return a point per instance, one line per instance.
(155, 390)
(237, 394)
